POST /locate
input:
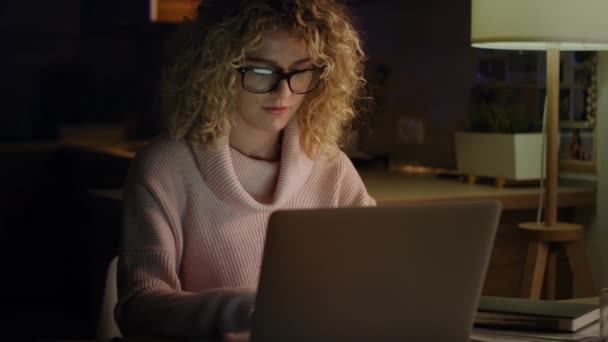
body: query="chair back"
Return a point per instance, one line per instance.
(107, 328)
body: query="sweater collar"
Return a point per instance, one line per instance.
(218, 171)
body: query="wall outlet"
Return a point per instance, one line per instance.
(410, 130)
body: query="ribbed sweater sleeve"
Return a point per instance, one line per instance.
(352, 189)
(151, 300)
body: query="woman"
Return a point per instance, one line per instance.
(257, 101)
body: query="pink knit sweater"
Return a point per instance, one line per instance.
(194, 227)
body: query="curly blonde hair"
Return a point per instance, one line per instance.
(199, 87)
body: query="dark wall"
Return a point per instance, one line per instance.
(77, 61)
(424, 46)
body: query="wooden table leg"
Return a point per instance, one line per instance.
(551, 273)
(581, 271)
(534, 269)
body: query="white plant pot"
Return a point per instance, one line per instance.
(512, 156)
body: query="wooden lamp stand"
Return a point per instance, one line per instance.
(546, 238)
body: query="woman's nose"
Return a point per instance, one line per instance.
(283, 89)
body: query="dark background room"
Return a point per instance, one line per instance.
(80, 94)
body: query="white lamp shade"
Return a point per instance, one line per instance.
(540, 24)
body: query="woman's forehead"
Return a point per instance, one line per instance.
(281, 47)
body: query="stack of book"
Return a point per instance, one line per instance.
(517, 319)
(587, 334)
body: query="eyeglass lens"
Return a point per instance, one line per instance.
(264, 80)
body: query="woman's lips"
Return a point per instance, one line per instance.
(276, 110)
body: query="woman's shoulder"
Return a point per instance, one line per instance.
(337, 161)
(161, 146)
(163, 153)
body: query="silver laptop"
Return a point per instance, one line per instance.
(410, 273)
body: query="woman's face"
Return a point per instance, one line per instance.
(270, 112)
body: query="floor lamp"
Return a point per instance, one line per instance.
(551, 26)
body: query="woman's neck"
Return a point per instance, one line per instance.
(256, 144)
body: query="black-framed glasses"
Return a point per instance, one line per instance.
(263, 80)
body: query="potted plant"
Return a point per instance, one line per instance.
(504, 139)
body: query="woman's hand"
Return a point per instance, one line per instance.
(237, 337)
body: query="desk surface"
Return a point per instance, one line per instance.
(397, 188)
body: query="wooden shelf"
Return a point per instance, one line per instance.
(575, 124)
(577, 165)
